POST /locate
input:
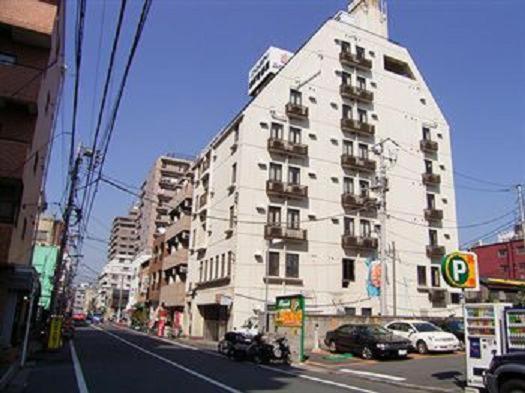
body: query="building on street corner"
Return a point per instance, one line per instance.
(287, 197)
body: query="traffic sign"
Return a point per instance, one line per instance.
(460, 270)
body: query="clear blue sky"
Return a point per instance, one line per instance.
(190, 78)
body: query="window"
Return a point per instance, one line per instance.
(361, 83)
(398, 67)
(296, 97)
(361, 114)
(273, 264)
(7, 59)
(421, 276)
(431, 201)
(432, 236)
(274, 215)
(455, 298)
(365, 228)
(292, 219)
(348, 185)
(426, 134)
(345, 47)
(276, 172)
(502, 253)
(234, 173)
(428, 166)
(10, 196)
(348, 272)
(435, 275)
(350, 311)
(346, 79)
(223, 264)
(360, 52)
(363, 151)
(292, 265)
(216, 267)
(349, 226)
(230, 261)
(347, 111)
(276, 131)
(232, 216)
(366, 312)
(348, 148)
(294, 135)
(364, 188)
(294, 175)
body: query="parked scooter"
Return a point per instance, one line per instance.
(281, 350)
(240, 346)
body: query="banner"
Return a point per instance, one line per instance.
(55, 333)
(290, 311)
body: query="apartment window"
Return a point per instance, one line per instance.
(201, 263)
(294, 175)
(502, 253)
(230, 261)
(217, 267)
(348, 272)
(294, 135)
(346, 79)
(426, 133)
(276, 172)
(7, 59)
(362, 115)
(274, 215)
(292, 266)
(348, 185)
(347, 111)
(292, 219)
(296, 97)
(431, 201)
(366, 312)
(345, 47)
(232, 216)
(433, 237)
(348, 148)
(223, 264)
(234, 173)
(276, 131)
(435, 274)
(350, 311)
(364, 188)
(361, 83)
(428, 166)
(363, 151)
(349, 226)
(365, 228)
(210, 274)
(455, 298)
(273, 264)
(360, 52)
(421, 276)
(10, 196)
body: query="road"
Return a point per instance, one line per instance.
(112, 359)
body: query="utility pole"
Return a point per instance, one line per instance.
(119, 312)
(382, 188)
(394, 282)
(522, 211)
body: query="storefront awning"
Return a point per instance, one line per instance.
(18, 278)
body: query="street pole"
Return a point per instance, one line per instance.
(382, 235)
(28, 325)
(119, 312)
(522, 211)
(394, 283)
(267, 289)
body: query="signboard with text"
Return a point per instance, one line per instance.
(460, 270)
(289, 311)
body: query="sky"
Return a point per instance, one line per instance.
(189, 79)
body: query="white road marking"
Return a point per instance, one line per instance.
(172, 363)
(375, 375)
(320, 380)
(81, 382)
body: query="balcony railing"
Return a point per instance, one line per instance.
(361, 243)
(282, 146)
(431, 179)
(351, 60)
(356, 93)
(353, 201)
(361, 128)
(435, 251)
(297, 111)
(428, 146)
(173, 295)
(21, 83)
(349, 161)
(287, 190)
(276, 231)
(433, 214)
(177, 258)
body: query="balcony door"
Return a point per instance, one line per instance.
(274, 215)
(276, 132)
(292, 219)
(349, 226)
(294, 176)
(348, 185)
(276, 172)
(296, 97)
(294, 135)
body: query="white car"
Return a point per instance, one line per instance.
(425, 336)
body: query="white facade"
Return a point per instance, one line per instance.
(225, 294)
(116, 275)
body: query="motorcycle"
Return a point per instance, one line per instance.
(235, 345)
(281, 350)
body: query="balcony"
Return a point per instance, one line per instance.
(182, 224)
(349, 161)
(358, 127)
(433, 214)
(296, 111)
(177, 258)
(173, 295)
(281, 146)
(356, 93)
(435, 251)
(276, 231)
(352, 201)
(431, 179)
(286, 190)
(218, 282)
(428, 146)
(359, 243)
(351, 60)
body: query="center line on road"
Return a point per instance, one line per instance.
(81, 382)
(172, 363)
(375, 375)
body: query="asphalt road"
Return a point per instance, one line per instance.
(118, 360)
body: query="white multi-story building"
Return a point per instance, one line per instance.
(287, 194)
(114, 283)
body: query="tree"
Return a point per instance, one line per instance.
(519, 300)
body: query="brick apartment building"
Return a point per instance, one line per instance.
(31, 71)
(505, 260)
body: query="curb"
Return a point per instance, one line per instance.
(9, 375)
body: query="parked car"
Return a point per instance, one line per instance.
(454, 326)
(425, 336)
(367, 341)
(506, 374)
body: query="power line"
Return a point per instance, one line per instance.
(491, 233)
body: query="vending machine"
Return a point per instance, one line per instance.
(515, 329)
(484, 338)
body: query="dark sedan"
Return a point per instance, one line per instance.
(506, 374)
(367, 341)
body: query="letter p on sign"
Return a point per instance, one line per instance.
(460, 270)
